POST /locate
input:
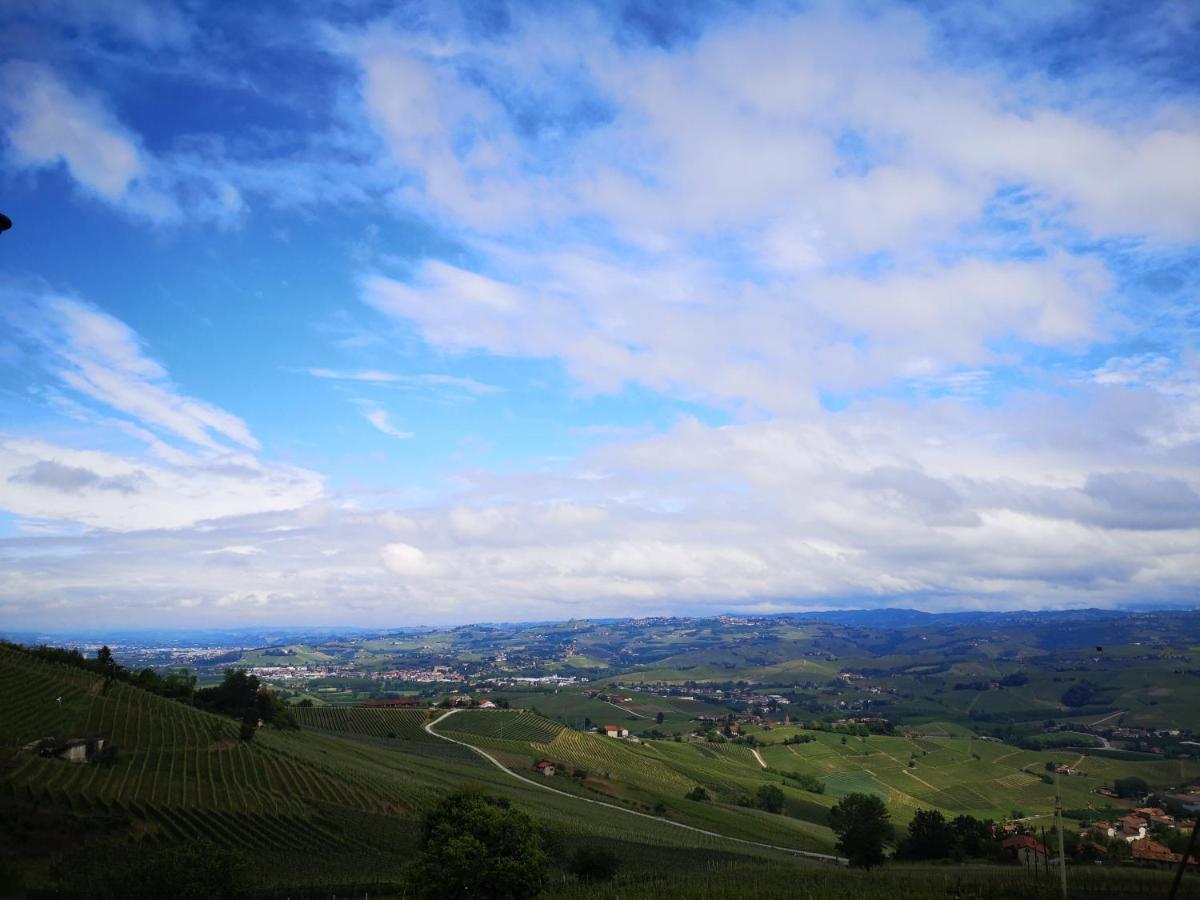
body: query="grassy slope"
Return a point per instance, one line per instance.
(329, 807)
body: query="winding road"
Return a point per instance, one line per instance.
(807, 854)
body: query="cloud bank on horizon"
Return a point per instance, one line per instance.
(513, 311)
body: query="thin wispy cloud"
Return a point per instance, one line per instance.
(381, 420)
(374, 376)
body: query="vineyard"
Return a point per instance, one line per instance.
(405, 724)
(337, 798)
(506, 726)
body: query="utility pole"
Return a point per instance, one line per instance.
(1187, 854)
(1062, 856)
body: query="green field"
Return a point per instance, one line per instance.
(345, 795)
(327, 805)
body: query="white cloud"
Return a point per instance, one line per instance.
(381, 420)
(150, 24)
(102, 490)
(406, 560)
(424, 380)
(190, 461)
(103, 360)
(944, 506)
(686, 329)
(50, 123)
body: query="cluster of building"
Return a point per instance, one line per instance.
(436, 675)
(304, 672)
(1138, 824)
(552, 680)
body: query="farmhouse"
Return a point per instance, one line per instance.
(1023, 848)
(1152, 853)
(73, 750)
(616, 731)
(486, 704)
(1133, 828)
(545, 767)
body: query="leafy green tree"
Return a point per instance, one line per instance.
(810, 783)
(1081, 693)
(248, 727)
(474, 845)
(108, 667)
(770, 798)
(975, 837)
(863, 827)
(594, 864)
(929, 836)
(697, 793)
(1133, 786)
(659, 718)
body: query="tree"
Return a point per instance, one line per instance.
(108, 667)
(1133, 786)
(929, 836)
(975, 836)
(863, 826)
(770, 798)
(697, 793)
(248, 727)
(594, 864)
(474, 845)
(1081, 693)
(659, 718)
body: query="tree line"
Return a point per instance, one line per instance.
(239, 695)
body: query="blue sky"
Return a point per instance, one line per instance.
(436, 312)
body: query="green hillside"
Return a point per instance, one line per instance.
(324, 806)
(341, 801)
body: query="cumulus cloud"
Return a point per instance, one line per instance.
(73, 479)
(190, 460)
(49, 123)
(52, 125)
(875, 507)
(102, 490)
(780, 206)
(151, 25)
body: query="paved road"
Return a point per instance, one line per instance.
(823, 857)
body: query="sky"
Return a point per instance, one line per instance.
(432, 312)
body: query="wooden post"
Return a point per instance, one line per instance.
(1062, 855)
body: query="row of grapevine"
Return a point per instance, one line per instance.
(509, 726)
(406, 724)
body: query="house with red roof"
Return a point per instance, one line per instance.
(1024, 848)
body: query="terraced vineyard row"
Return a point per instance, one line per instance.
(602, 754)
(399, 723)
(508, 726)
(167, 753)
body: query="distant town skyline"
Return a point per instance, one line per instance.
(462, 312)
